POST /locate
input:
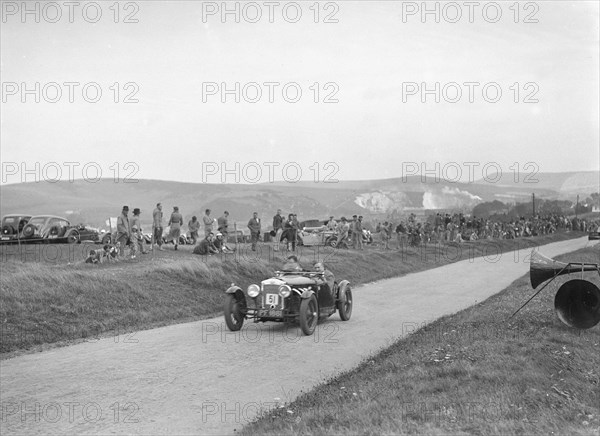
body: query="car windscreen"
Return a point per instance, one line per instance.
(9, 221)
(37, 221)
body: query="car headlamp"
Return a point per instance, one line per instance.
(253, 291)
(285, 291)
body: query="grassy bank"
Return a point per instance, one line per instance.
(55, 298)
(475, 372)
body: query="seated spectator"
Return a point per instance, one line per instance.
(206, 246)
(221, 245)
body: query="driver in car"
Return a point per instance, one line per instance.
(292, 264)
(328, 276)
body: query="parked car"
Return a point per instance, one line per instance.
(317, 236)
(12, 226)
(49, 228)
(88, 234)
(299, 296)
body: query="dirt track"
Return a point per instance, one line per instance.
(199, 378)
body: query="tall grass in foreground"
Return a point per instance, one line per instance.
(42, 303)
(475, 372)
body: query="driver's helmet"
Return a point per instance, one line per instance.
(319, 267)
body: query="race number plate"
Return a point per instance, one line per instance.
(272, 299)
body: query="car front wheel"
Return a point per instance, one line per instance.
(345, 305)
(234, 318)
(309, 315)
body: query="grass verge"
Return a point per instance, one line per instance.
(474, 372)
(56, 300)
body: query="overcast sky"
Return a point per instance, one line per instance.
(370, 57)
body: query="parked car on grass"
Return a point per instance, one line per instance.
(49, 228)
(12, 226)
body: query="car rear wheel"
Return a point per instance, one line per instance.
(309, 315)
(234, 318)
(345, 305)
(332, 242)
(72, 238)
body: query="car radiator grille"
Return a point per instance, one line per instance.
(270, 294)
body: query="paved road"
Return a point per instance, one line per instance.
(199, 378)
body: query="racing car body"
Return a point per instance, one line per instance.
(298, 296)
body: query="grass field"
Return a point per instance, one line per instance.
(475, 372)
(49, 296)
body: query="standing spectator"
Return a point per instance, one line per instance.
(402, 236)
(331, 224)
(278, 229)
(123, 230)
(385, 235)
(296, 226)
(223, 224)
(343, 228)
(157, 225)
(254, 226)
(176, 221)
(194, 226)
(353, 230)
(208, 223)
(359, 233)
(290, 232)
(137, 238)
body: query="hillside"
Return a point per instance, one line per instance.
(93, 203)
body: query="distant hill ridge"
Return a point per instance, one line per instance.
(94, 202)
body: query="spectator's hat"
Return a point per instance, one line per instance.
(273, 233)
(136, 211)
(219, 234)
(175, 208)
(126, 208)
(353, 216)
(343, 218)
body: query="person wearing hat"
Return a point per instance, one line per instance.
(220, 244)
(123, 230)
(176, 221)
(137, 238)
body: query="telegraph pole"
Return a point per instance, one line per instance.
(577, 206)
(533, 201)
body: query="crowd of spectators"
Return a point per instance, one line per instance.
(349, 233)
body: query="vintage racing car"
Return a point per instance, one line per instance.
(302, 296)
